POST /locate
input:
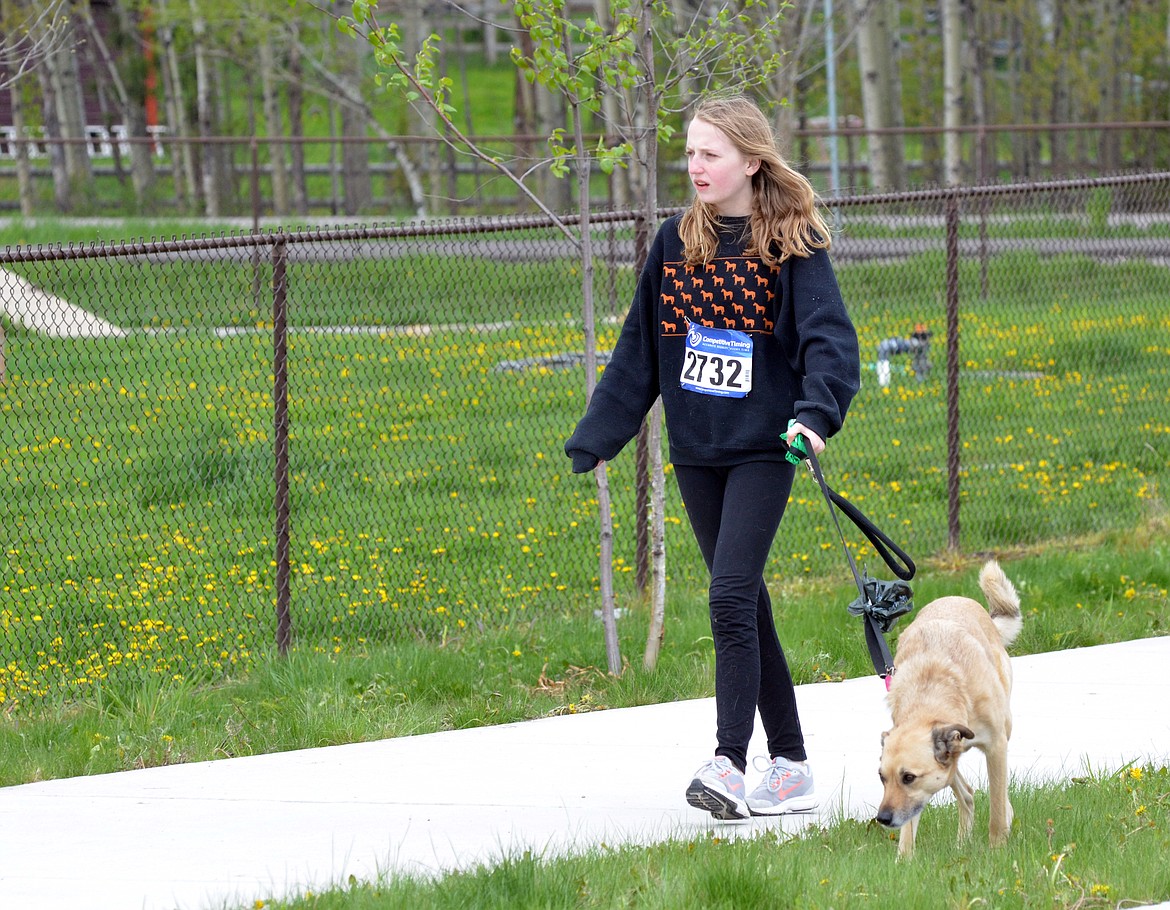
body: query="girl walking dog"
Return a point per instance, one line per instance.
(739, 325)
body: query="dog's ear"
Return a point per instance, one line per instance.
(885, 733)
(948, 742)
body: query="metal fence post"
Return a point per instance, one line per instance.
(953, 441)
(280, 438)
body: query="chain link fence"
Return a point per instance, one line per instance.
(323, 439)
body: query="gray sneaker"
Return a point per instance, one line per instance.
(718, 788)
(787, 787)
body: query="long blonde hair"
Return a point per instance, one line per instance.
(785, 220)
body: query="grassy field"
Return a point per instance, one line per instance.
(1075, 593)
(430, 495)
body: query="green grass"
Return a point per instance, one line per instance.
(1094, 841)
(1098, 841)
(429, 492)
(1103, 589)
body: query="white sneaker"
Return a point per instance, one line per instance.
(718, 788)
(787, 787)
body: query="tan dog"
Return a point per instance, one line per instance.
(951, 691)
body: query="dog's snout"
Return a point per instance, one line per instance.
(885, 817)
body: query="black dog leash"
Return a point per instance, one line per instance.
(880, 603)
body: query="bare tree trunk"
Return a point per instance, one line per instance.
(535, 116)
(878, 51)
(1112, 16)
(205, 112)
(613, 651)
(619, 179)
(274, 126)
(469, 129)
(142, 173)
(524, 108)
(183, 152)
(952, 25)
(588, 314)
(357, 189)
(1014, 72)
(550, 114)
(131, 102)
(649, 159)
(25, 189)
(1035, 95)
(72, 114)
(414, 27)
(491, 45)
(335, 166)
(791, 40)
(64, 121)
(986, 164)
(54, 149)
(934, 161)
(296, 126)
(1058, 108)
(24, 182)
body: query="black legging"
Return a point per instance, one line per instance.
(735, 513)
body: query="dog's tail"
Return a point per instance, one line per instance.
(1002, 601)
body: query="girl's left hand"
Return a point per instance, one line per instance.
(799, 429)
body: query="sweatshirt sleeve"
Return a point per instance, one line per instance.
(828, 357)
(629, 384)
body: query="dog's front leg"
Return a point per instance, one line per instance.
(906, 838)
(1000, 809)
(966, 802)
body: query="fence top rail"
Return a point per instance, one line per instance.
(279, 239)
(940, 194)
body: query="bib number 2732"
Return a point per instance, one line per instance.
(717, 362)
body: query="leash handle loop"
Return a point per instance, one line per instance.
(903, 566)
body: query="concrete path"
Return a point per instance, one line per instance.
(29, 306)
(224, 834)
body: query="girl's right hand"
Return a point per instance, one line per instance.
(799, 429)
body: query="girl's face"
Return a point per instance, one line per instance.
(720, 174)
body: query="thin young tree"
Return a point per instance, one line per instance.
(644, 61)
(622, 78)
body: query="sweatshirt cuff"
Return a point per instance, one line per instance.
(815, 421)
(583, 461)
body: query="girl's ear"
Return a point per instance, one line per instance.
(753, 165)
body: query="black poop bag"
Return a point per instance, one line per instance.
(884, 601)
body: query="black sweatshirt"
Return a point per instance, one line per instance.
(804, 361)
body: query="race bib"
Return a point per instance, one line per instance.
(717, 362)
